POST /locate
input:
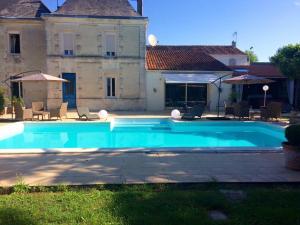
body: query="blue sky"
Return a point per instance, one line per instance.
(264, 24)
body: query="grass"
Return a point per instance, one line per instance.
(149, 205)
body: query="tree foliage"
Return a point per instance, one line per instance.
(287, 59)
(251, 56)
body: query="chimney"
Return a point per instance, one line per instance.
(140, 7)
(234, 44)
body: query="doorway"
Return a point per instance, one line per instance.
(69, 89)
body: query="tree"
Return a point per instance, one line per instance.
(251, 56)
(287, 59)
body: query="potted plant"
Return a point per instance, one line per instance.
(292, 147)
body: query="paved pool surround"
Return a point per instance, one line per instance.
(139, 168)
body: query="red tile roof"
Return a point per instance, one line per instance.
(208, 49)
(267, 70)
(189, 58)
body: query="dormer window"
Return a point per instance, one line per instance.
(110, 45)
(68, 44)
(14, 43)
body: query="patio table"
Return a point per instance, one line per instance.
(41, 113)
(254, 112)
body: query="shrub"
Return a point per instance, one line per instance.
(233, 97)
(2, 100)
(292, 134)
(60, 188)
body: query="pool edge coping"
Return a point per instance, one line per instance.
(141, 150)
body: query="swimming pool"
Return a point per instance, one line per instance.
(138, 134)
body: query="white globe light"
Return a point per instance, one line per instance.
(152, 40)
(103, 114)
(266, 88)
(175, 114)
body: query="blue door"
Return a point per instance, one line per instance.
(69, 89)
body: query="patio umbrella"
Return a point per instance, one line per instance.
(39, 77)
(248, 79)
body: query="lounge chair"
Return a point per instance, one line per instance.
(21, 113)
(60, 112)
(195, 112)
(84, 112)
(241, 110)
(272, 110)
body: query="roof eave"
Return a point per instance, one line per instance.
(96, 17)
(187, 71)
(20, 18)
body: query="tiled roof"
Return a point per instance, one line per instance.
(181, 58)
(22, 8)
(267, 70)
(120, 8)
(208, 49)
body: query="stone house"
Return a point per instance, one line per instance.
(98, 45)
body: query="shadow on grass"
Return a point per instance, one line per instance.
(166, 207)
(13, 216)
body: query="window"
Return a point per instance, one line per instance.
(110, 87)
(68, 39)
(110, 43)
(176, 95)
(14, 43)
(232, 62)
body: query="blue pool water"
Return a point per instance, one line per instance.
(141, 133)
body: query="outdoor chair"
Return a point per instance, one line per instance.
(84, 112)
(60, 112)
(38, 109)
(195, 112)
(21, 113)
(271, 111)
(37, 106)
(295, 118)
(229, 109)
(241, 110)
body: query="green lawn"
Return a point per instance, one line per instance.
(155, 206)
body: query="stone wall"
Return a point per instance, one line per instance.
(92, 67)
(32, 56)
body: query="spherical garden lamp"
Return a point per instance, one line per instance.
(103, 114)
(265, 89)
(175, 114)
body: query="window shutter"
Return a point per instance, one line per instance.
(110, 43)
(68, 41)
